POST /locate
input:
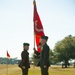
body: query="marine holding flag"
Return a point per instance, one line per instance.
(44, 55)
(41, 40)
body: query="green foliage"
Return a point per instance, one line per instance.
(65, 49)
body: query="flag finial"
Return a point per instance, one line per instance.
(34, 3)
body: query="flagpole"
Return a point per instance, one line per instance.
(34, 40)
(8, 56)
(34, 43)
(34, 52)
(7, 66)
(7, 61)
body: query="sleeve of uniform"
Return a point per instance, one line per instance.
(46, 55)
(37, 53)
(23, 58)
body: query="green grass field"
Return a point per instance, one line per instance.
(53, 70)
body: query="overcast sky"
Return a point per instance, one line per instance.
(16, 23)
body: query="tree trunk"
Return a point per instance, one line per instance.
(66, 63)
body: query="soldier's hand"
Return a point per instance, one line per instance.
(34, 49)
(23, 67)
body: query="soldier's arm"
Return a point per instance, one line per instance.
(46, 55)
(23, 58)
(36, 52)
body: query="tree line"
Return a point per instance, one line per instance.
(8, 61)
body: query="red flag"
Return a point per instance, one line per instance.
(8, 56)
(38, 28)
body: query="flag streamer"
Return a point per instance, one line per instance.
(8, 56)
